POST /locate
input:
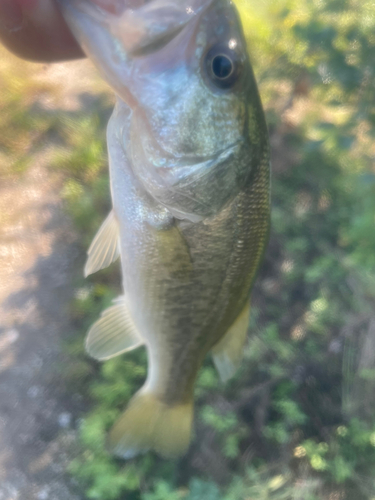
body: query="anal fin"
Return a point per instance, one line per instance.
(105, 247)
(227, 353)
(114, 333)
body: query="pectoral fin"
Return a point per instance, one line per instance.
(105, 247)
(227, 353)
(113, 334)
(174, 252)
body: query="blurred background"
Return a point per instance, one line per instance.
(297, 421)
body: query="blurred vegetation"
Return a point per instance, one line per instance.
(297, 421)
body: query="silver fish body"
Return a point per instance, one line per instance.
(189, 167)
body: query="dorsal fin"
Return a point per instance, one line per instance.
(227, 353)
(105, 247)
(114, 333)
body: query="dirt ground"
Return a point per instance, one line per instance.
(38, 260)
(38, 256)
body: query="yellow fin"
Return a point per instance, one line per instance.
(174, 252)
(114, 333)
(150, 424)
(227, 353)
(105, 247)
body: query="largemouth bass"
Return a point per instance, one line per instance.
(190, 182)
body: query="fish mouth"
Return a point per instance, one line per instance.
(140, 27)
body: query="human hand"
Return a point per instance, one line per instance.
(36, 30)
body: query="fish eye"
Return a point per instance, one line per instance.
(223, 66)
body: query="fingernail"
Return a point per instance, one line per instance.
(11, 17)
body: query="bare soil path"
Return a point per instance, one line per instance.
(38, 257)
(38, 260)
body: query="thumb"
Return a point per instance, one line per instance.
(36, 30)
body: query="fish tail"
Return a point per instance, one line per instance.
(151, 424)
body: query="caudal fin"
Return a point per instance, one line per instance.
(150, 424)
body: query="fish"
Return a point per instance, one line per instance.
(189, 169)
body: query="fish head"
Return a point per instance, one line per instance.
(183, 69)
